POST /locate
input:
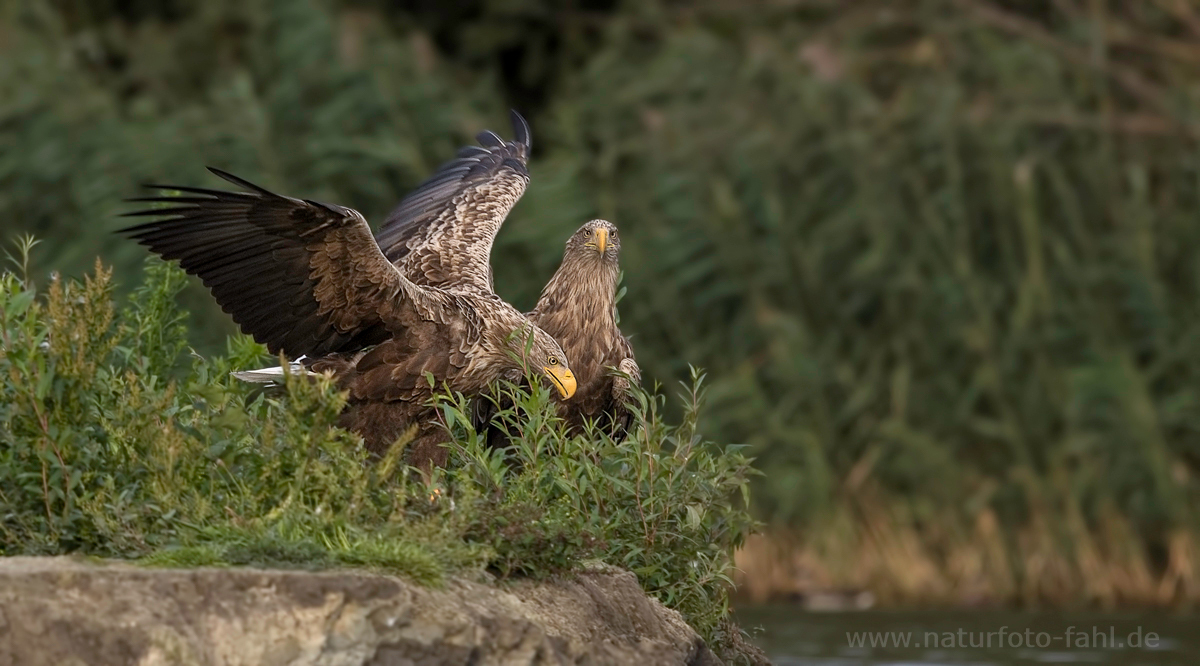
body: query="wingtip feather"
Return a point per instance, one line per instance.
(489, 138)
(242, 182)
(521, 130)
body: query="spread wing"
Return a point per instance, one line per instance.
(441, 234)
(302, 277)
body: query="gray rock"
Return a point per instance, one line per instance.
(67, 612)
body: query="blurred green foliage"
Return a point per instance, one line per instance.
(109, 447)
(946, 248)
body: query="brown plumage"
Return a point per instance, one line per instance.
(578, 304)
(441, 234)
(308, 280)
(578, 308)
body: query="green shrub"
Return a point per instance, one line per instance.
(116, 443)
(662, 503)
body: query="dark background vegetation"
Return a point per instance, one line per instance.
(937, 253)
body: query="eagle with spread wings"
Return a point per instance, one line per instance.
(577, 307)
(308, 280)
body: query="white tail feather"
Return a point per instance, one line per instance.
(271, 375)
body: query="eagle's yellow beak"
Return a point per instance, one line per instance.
(563, 380)
(601, 240)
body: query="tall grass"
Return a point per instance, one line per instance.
(944, 275)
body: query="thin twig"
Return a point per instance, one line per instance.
(1181, 11)
(1127, 36)
(1132, 81)
(1136, 124)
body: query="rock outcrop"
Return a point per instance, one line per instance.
(68, 612)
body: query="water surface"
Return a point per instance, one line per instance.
(795, 637)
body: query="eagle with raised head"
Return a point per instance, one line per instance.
(578, 308)
(579, 301)
(308, 279)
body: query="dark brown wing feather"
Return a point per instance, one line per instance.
(441, 234)
(302, 277)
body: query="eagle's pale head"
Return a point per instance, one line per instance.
(597, 241)
(539, 354)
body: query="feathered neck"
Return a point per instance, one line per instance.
(493, 353)
(583, 289)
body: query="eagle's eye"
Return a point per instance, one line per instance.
(587, 232)
(553, 360)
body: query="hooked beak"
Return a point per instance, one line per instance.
(601, 240)
(563, 380)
